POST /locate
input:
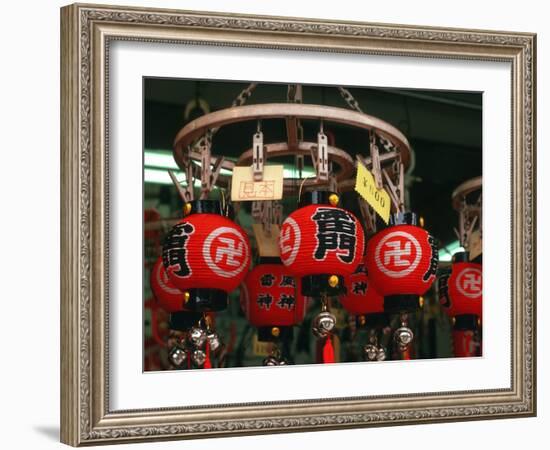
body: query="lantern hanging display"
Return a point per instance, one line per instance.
(206, 256)
(271, 300)
(321, 244)
(317, 255)
(367, 305)
(460, 293)
(402, 263)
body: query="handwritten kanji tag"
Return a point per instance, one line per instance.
(245, 189)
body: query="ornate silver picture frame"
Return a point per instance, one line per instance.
(87, 32)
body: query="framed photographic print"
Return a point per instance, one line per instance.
(277, 224)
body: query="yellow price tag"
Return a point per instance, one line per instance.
(379, 199)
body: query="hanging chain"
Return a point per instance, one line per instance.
(349, 99)
(240, 100)
(245, 94)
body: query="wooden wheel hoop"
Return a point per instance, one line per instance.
(463, 190)
(198, 127)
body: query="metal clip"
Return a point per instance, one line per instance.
(321, 163)
(375, 158)
(257, 211)
(369, 216)
(258, 155)
(277, 213)
(267, 217)
(299, 163)
(206, 179)
(392, 191)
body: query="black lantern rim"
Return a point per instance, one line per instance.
(466, 322)
(403, 218)
(402, 303)
(204, 207)
(461, 257)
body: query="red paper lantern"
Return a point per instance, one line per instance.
(321, 242)
(168, 296)
(465, 344)
(465, 289)
(361, 298)
(402, 262)
(271, 298)
(206, 255)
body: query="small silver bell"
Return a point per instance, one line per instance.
(317, 333)
(214, 341)
(381, 354)
(197, 336)
(198, 357)
(270, 361)
(323, 324)
(177, 356)
(370, 352)
(403, 337)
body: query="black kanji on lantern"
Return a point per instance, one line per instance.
(359, 287)
(335, 231)
(361, 268)
(286, 301)
(267, 280)
(174, 251)
(287, 281)
(434, 259)
(264, 301)
(443, 289)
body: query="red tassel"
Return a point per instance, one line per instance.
(207, 363)
(328, 351)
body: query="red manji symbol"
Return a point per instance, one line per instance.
(468, 282)
(398, 254)
(289, 241)
(225, 252)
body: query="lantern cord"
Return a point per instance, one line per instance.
(328, 351)
(223, 200)
(301, 187)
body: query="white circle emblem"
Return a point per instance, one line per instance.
(394, 255)
(468, 282)
(290, 232)
(229, 251)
